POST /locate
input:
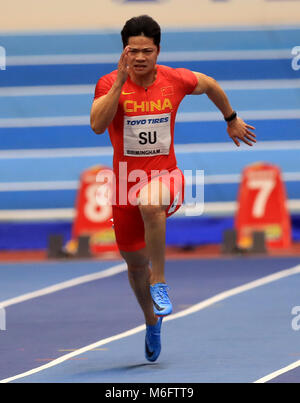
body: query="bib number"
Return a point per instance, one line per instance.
(147, 135)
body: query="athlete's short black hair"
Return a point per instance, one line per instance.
(142, 25)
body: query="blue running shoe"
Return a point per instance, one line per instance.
(161, 301)
(152, 341)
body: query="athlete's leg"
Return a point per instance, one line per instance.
(139, 274)
(139, 279)
(154, 199)
(129, 230)
(155, 236)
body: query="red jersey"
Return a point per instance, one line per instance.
(142, 131)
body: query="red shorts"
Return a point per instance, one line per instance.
(128, 222)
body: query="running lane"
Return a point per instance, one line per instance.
(238, 339)
(45, 328)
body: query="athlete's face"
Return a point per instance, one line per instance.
(142, 55)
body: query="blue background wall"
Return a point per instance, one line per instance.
(46, 93)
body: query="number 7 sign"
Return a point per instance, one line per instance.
(262, 206)
(264, 189)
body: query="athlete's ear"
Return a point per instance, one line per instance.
(158, 49)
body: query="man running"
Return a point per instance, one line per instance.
(137, 103)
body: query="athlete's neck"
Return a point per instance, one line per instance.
(144, 80)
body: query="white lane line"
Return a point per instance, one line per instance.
(87, 89)
(219, 55)
(74, 184)
(186, 56)
(276, 114)
(269, 84)
(279, 372)
(230, 147)
(65, 284)
(45, 90)
(68, 214)
(84, 120)
(195, 308)
(38, 186)
(45, 215)
(181, 29)
(59, 152)
(179, 148)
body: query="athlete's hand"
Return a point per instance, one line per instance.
(123, 66)
(239, 130)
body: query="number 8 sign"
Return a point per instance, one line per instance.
(94, 212)
(262, 206)
(91, 208)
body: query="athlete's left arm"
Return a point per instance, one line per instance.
(236, 128)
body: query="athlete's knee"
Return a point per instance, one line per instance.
(138, 269)
(136, 261)
(152, 213)
(135, 271)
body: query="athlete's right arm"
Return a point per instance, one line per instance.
(105, 107)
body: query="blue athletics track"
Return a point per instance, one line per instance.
(235, 320)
